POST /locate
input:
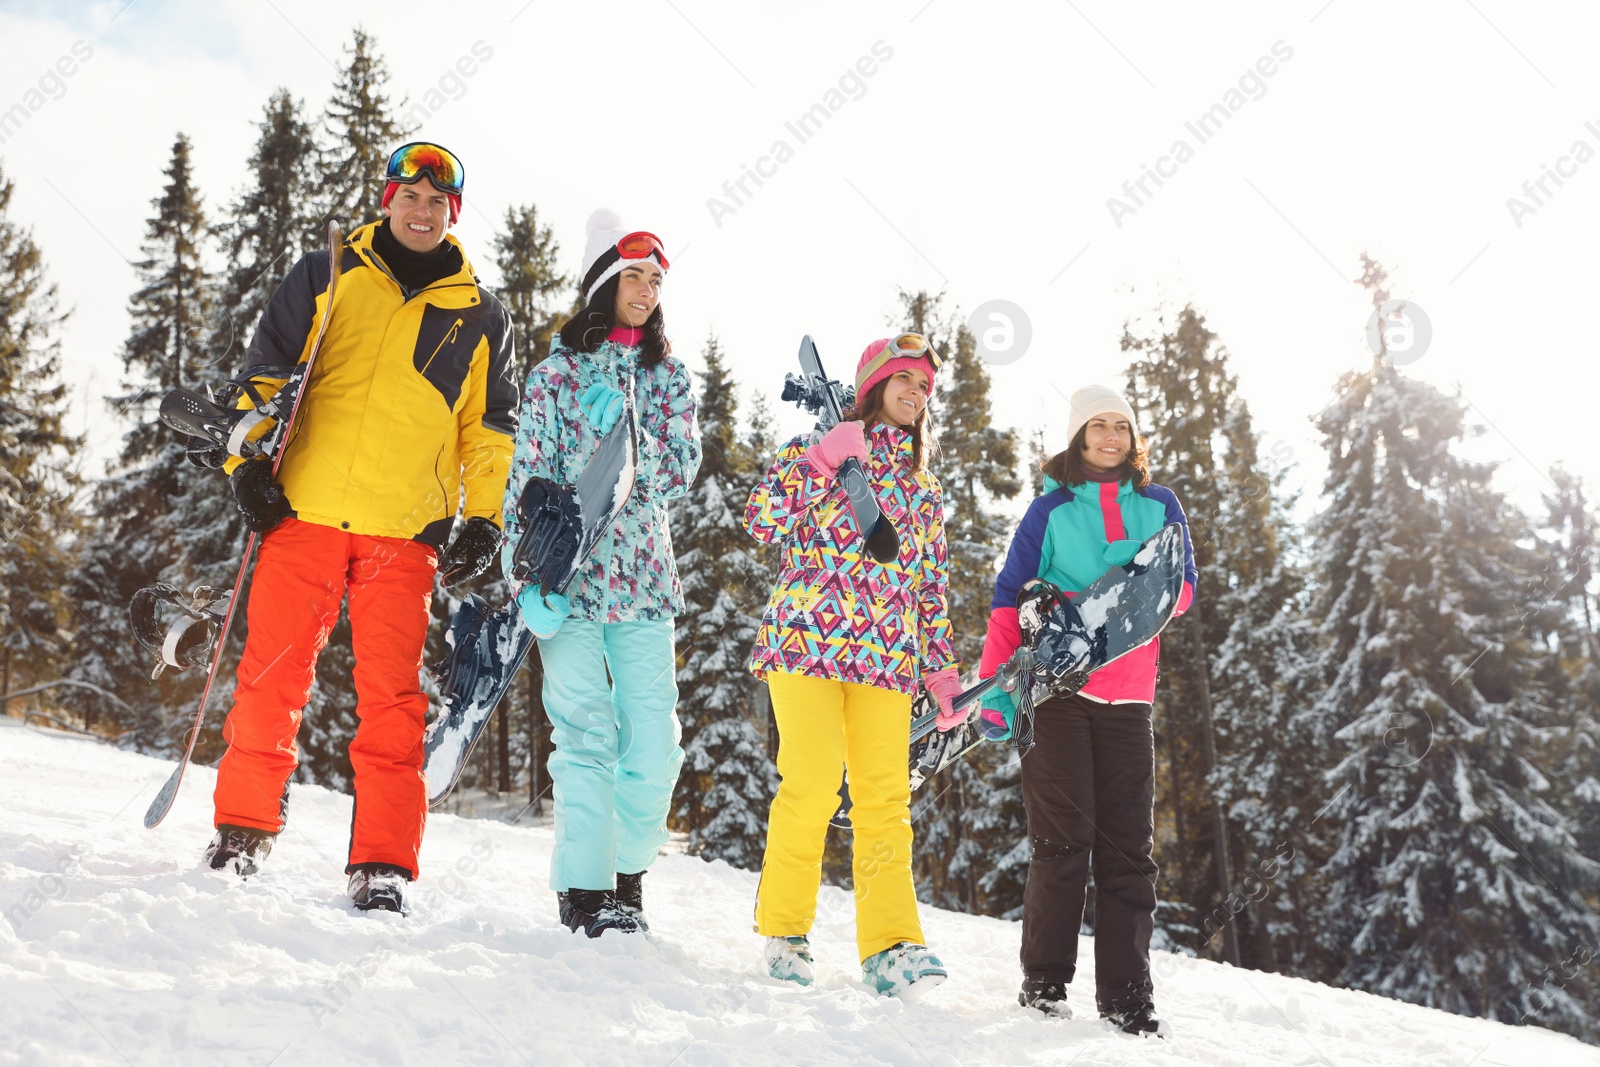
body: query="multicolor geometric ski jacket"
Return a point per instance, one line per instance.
(631, 575)
(835, 611)
(1070, 536)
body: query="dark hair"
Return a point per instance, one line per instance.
(586, 330)
(869, 410)
(1067, 467)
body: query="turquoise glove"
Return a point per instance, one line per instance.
(999, 715)
(544, 615)
(602, 405)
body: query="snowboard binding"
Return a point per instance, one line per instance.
(217, 419)
(552, 533)
(188, 638)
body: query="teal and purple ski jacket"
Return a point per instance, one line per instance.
(1069, 536)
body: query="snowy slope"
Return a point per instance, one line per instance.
(115, 949)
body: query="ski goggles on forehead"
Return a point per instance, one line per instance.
(906, 346)
(411, 161)
(640, 244)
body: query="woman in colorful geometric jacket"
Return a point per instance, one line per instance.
(1089, 781)
(616, 753)
(844, 643)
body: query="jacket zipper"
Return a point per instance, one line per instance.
(449, 338)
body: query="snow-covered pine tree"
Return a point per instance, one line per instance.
(37, 479)
(1567, 579)
(1454, 882)
(728, 780)
(1204, 448)
(134, 535)
(360, 128)
(976, 464)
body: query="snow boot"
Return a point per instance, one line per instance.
(906, 968)
(594, 911)
(1048, 997)
(1139, 1020)
(239, 849)
(630, 898)
(788, 959)
(380, 888)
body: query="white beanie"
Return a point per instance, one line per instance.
(1094, 400)
(600, 256)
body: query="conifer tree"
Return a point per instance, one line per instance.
(976, 466)
(728, 781)
(1454, 881)
(135, 537)
(360, 128)
(1204, 448)
(37, 480)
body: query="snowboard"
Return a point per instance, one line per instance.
(1065, 639)
(560, 526)
(814, 391)
(196, 416)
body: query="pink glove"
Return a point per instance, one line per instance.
(945, 686)
(837, 445)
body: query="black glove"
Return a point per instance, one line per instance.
(206, 454)
(260, 498)
(471, 553)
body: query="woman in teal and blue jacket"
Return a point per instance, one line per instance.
(1089, 781)
(616, 753)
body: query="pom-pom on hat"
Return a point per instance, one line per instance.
(1094, 400)
(602, 258)
(872, 369)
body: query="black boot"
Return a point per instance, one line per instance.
(239, 849)
(630, 898)
(594, 911)
(1048, 997)
(1139, 1020)
(379, 888)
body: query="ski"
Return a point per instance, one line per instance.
(296, 384)
(561, 524)
(1065, 639)
(814, 391)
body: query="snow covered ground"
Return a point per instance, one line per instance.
(115, 949)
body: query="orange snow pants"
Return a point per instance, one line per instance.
(303, 572)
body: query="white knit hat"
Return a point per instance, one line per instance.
(1094, 400)
(601, 260)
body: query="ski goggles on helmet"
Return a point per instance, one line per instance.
(905, 346)
(411, 161)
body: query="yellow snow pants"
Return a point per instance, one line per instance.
(822, 725)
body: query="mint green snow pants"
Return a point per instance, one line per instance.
(616, 753)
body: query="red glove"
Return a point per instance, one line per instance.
(844, 441)
(945, 686)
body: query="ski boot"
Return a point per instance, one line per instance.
(239, 849)
(905, 970)
(1139, 1020)
(380, 888)
(1048, 997)
(594, 911)
(788, 959)
(630, 898)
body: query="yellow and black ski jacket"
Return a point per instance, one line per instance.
(412, 397)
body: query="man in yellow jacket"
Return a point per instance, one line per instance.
(408, 412)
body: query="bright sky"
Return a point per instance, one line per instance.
(977, 155)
